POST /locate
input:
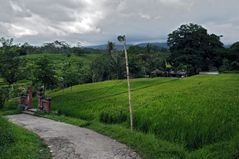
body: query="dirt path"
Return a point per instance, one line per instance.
(71, 142)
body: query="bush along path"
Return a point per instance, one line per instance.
(72, 142)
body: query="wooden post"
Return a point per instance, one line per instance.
(40, 98)
(129, 88)
(30, 97)
(47, 105)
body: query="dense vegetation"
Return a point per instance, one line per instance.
(199, 113)
(194, 50)
(17, 143)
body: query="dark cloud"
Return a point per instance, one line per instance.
(93, 22)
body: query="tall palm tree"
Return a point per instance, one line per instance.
(110, 47)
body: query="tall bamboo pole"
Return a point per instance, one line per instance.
(123, 39)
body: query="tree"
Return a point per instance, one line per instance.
(56, 47)
(193, 47)
(144, 60)
(10, 61)
(149, 48)
(70, 75)
(115, 61)
(135, 64)
(110, 47)
(6, 42)
(231, 61)
(26, 48)
(106, 67)
(4, 95)
(77, 50)
(44, 72)
(100, 68)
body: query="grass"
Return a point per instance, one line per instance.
(10, 108)
(195, 117)
(18, 143)
(63, 118)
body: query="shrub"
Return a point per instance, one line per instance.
(4, 94)
(6, 134)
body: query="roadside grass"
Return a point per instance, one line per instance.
(10, 108)
(18, 143)
(63, 118)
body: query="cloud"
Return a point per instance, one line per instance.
(56, 19)
(98, 21)
(176, 2)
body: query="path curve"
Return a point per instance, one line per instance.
(71, 142)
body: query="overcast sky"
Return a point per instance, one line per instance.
(98, 21)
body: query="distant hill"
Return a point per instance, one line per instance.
(160, 45)
(227, 45)
(120, 47)
(104, 47)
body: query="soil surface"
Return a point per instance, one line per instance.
(71, 142)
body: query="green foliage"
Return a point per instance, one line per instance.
(107, 67)
(231, 63)
(193, 47)
(11, 107)
(78, 71)
(6, 134)
(110, 47)
(70, 75)
(10, 92)
(4, 95)
(56, 47)
(10, 61)
(143, 61)
(45, 73)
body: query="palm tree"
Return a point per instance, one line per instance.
(110, 47)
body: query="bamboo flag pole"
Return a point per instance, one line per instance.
(123, 40)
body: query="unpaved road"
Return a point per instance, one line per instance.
(71, 142)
